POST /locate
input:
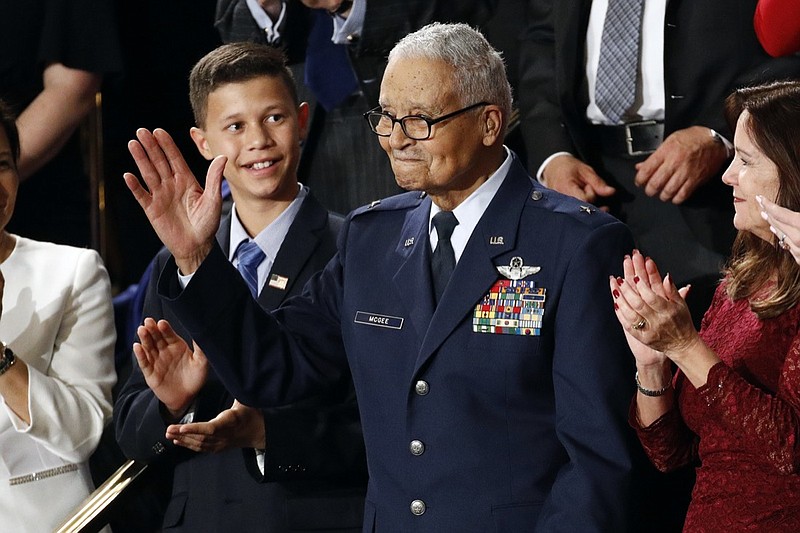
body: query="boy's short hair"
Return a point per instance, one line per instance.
(9, 124)
(235, 63)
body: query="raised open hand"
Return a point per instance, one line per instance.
(184, 216)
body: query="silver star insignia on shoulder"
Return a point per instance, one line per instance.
(517, 270)
(586, 209)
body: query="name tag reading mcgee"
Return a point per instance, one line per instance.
(381, 321)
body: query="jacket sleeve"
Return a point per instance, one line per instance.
(592, 379)
(319, 437)
(770, 422)
(140, 428)
(71, 403)
(543, 126)
(265, 359)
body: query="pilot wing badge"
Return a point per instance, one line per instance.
(513, 306)
(517, 269)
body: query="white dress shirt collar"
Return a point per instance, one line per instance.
(469, 212)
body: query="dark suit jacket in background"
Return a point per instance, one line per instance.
(315, 470)
(342, 158)
(710, 48)
(520, 433)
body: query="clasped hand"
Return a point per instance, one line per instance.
(652, 311)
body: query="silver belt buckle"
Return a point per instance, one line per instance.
(629, 137)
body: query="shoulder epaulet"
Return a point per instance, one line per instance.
(400, 201)
(582, 212)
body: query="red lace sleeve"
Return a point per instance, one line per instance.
(668, 442)
(768, 423)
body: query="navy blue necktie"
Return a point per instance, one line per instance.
(443, 260)
(328, 72)
(250, 256)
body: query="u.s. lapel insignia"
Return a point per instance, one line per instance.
(511, 307)
(409, 242)
(278, 282)
(497, 239)
(517, 269)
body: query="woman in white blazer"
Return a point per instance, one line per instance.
(56, 365)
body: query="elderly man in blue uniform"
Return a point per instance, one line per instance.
(494, 400)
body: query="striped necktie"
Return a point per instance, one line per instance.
(618, 67)
(250, 256)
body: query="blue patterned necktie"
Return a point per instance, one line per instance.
(250, 256)
(443, 260)
(617, 70)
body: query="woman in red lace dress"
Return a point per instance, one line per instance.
(732, 408)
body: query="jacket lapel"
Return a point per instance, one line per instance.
(224, 234)
(495, 234)
(300, 242)
(413, 277)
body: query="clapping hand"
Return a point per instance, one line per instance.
(784, 223)
(173, 371)
(652, 311)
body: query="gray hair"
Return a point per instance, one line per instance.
(480, 73)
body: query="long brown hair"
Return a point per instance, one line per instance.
(774, 125)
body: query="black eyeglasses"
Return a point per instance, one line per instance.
(416, 127)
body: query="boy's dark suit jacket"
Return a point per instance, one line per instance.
(315, 473)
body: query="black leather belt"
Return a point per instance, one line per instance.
(628, 140)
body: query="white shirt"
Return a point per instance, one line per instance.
(271, 29)
(352, 25)
(650, 97)
(469, 212)
(269, 239)
(649, 102)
